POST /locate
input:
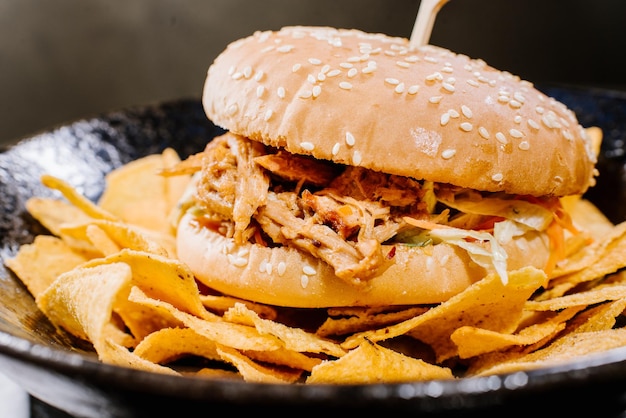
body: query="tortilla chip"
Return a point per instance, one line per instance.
(372, 363)
(38, 264)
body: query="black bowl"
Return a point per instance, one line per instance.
(63, 372)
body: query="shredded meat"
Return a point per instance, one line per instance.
(232, 185)
(352, 262)
(341, 215)
(298, 168)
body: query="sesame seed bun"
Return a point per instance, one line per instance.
(371, 100)
(284, 276)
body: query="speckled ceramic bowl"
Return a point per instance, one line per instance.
(65, 373)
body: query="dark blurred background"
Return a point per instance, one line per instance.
(67, 59)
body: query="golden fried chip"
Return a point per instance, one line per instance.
(241, 337)
(74, 197)
(565, 349)
(169, 344)
(139, 195)
(52, 213)
(343, 321)
(590, 297)
(487, 304)
(595, 261)
(294, 338)
(81, 300)
(598, 318)
(38, 264)
(160, 277)
(254, 372)
(121, 235)
(372, 363)
(113, 353)
(284, 357)
(473, 341)
(222, 303)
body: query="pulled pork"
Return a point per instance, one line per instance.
(339, 214)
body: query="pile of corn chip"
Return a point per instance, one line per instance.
(108, 274)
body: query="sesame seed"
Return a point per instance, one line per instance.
(448, 87)
(539, 109)
(472, 83)
(431, 59)
(237, 261)
(504, 99)
(399, 88)
(237, 76)
(315, 61)
(356, 158)
(259, 75)
(501, 138)
(482, 131)
(281, 92)
(567, 134)
(466, 126)
(321, 76)
(518, 119)
(533, 124)
(247, 72)
(304, 281)
(285, 48)
(435, 99)
(497, 177)
(268, 115)
(453, 113)
(516, 134)
(515, 104)
(352, 72)
(445, 118)
(412, 58)
(335, 149)
(307, 146)
(308, 270)
(434, 77)
(368, 70)
(467, 112)
(232, 109)
(305, 94)
(317, 90)
(393, 81)
(350, 141)
(259, 91)
(325, 69)
(524, 145)
(295, 68)
(413, 89)
(448, 153)
(346, 65)
(519, 97)
(333, 73)
(403, 64)
(282, 267)
(345, 85)
(311, 79)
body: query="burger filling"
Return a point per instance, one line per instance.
(352, 217)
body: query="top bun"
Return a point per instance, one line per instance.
(374, 101)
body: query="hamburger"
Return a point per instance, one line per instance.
(357, 170)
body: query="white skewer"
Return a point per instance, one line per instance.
(424, 21)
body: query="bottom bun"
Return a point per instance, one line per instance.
(284, 276)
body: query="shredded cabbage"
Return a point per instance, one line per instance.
(492, 256)
(526, 213)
